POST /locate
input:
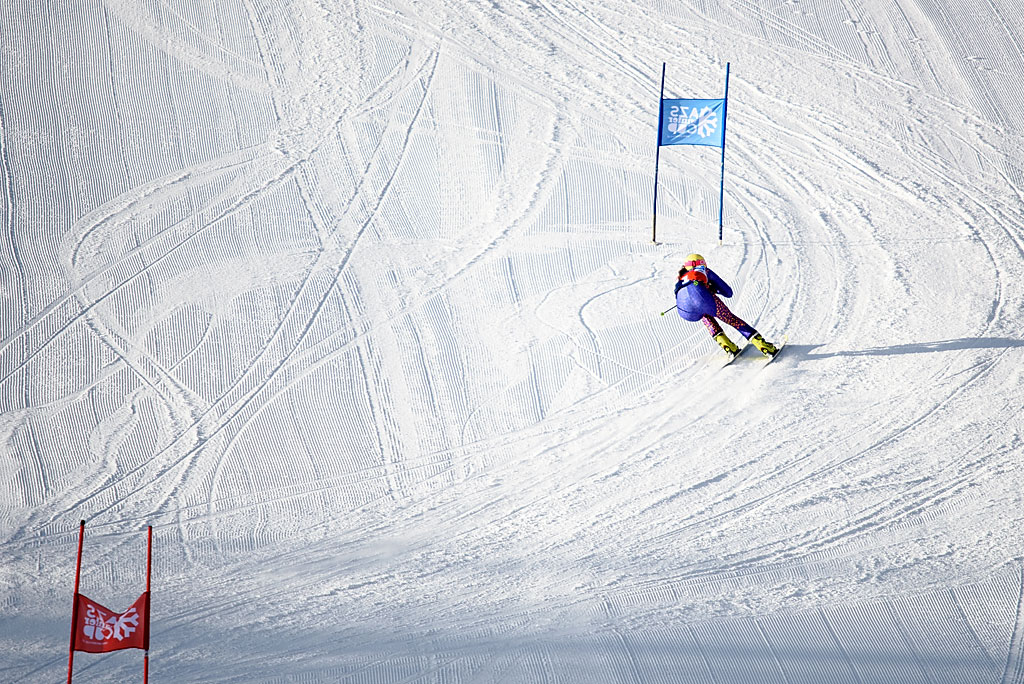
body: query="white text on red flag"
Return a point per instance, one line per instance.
(100, 629)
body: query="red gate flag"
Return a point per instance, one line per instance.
(100, 629)
(96, 629)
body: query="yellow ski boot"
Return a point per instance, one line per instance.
(726, 344)
(765, 347)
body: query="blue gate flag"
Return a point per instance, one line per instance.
(692, 122)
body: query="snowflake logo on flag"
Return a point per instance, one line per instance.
(123, 626)
(706, 122)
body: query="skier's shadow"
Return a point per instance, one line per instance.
(806, 351)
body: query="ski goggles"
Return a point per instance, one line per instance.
(695, 264)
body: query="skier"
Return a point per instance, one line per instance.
(697, 299)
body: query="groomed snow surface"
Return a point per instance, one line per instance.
(356, 303)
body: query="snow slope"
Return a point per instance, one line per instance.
(356, 304)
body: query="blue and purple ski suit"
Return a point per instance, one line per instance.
(698, 301)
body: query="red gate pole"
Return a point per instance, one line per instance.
(74, 608)
(149, 571)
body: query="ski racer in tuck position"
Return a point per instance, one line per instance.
(698, 298)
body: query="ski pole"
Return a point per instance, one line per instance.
(667, 310)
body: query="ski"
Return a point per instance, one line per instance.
(778, 350)
(729, 358)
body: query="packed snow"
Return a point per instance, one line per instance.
(357, 305)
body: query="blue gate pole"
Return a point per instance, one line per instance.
(657, 155)
(721, 189)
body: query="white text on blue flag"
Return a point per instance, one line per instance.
(692, 122)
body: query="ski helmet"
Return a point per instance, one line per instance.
(694, 260)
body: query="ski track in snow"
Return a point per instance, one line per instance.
(356, 304)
